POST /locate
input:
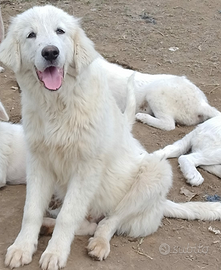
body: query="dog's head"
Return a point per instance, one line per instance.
(47, 41)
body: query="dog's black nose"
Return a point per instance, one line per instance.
(50, 52)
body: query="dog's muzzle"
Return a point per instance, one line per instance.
(52, 76)
(50, 53)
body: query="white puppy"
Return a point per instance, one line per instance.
(78, 140)
(162, 100)
(204, 142)
(12, 151)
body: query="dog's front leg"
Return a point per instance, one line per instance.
(74, 209)
(38, 194)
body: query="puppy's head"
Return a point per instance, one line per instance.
(46, 41)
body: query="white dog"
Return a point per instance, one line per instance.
(162, 100)
(12, 152)
(78, 139)
(204, 142)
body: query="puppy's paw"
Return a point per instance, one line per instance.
(140, 117)
(98, 248)
(160, 154)
(19, 256)
(52, 261)
(2, 69)
(195, 179)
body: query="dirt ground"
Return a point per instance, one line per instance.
(139, 34)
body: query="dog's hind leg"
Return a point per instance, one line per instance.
(188, 164)
(165, 123)
(86, 228)
(214, 169)
(178, 148)
(140, 211)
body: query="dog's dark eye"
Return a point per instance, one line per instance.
(60, 31)
(31, 35)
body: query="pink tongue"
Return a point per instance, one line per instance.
(51, 77)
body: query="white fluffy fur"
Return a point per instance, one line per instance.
(12, 151)
(78, 140)
(204, 142)
(162, 100)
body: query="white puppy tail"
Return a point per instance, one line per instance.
(130, 110)
(193, 210)
(1, 27)
(3, 114)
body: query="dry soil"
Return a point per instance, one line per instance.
(138, 34)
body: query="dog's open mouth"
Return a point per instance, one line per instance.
(52, 77)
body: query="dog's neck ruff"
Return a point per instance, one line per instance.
(52, 77)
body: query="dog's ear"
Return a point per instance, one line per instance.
(10, 51)
(3, 113)
(1, 27)
(84, 52)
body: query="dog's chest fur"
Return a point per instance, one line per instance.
(62, 127)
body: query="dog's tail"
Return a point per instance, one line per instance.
(193, 210)
(130, 110)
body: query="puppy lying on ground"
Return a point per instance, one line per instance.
(204, 142)
(161, 100)
(12, 152)
(79, 142)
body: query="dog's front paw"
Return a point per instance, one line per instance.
(52, 261)
(18, 256)
(98, 248)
